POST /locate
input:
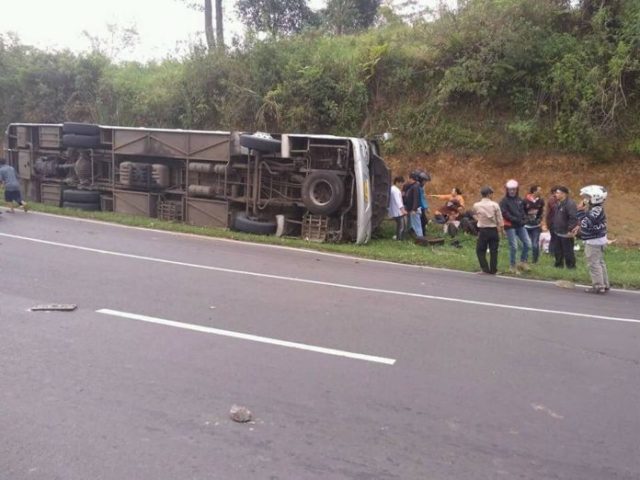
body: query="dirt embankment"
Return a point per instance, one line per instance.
(470, 173)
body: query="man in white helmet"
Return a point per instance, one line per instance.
(592, 228)
(515, 218)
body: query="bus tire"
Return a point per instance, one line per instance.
(266, 145)
(323, 192)
(80, 141)
(243, 223)
(88, 129)
(88, 207)
(81, 196)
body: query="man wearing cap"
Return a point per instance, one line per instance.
(563, 225)
(490, 223)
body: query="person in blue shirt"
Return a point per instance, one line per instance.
(9, 181)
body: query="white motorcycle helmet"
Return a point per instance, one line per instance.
(511, 184)
(597, 194)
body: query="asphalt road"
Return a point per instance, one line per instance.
(430, 374)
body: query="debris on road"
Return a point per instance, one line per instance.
(565, 284)
(240, 414)
(54, 307)
(428, 241)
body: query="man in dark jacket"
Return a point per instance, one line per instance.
(513, 213)
(411, 199)
(563, 225)
(593, 230)
(550, 211)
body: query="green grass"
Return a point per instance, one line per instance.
(623, 263)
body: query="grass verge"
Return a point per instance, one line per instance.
(623, 263)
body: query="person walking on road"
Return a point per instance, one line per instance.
(396, 208)
(9, 180)
(513, 212)
(490, 224)
(592, 228)
(563, 225)
(534, 207)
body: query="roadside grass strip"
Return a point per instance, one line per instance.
(623, 262)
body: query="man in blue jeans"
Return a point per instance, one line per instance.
(411, 198)
(515, 218)
(9, 180)
(534, 209)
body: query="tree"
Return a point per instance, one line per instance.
(117, 41)
(208, 24)
(207, 7)
(348, 16)
(276, 17)
(219, 23)
(367, 12)
(340, 16)
(410, 11)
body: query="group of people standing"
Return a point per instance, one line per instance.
(409, 207)
(525, 221)
(408, 204)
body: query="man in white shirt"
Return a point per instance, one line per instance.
(396, 208)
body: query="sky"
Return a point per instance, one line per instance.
(165, 27)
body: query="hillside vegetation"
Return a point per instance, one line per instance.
(494, 75)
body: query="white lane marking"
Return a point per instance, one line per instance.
(343, 256)
(324, 284)
(246, 336)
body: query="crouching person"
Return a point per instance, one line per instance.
(592, 228)
(11, 185)
(490, 224)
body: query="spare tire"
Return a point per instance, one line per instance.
(80, 141)
(243, 223)
(80, 128)
(89, 207)
(254, 142)
(323, 192)
(81, 196)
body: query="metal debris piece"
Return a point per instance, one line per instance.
(240, 414)
(54, 307)
(565, 284)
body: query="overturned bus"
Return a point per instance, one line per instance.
(318, 187)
